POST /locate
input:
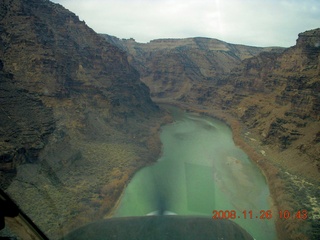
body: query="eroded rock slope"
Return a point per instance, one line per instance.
(76, 121)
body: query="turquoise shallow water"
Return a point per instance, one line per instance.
(201, 170)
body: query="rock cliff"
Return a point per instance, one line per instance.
(170, 67)
(269, 96)
(25, 124)
(76, 121)
(280, 102)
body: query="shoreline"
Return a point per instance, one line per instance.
(157, 151)
(268, 170)
(279, 198)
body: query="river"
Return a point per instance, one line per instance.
(201, 170)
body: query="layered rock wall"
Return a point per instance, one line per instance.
(76, 121)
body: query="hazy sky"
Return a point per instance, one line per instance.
(250, 22)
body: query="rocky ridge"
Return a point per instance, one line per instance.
(170, 67)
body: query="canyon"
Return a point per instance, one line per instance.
(273, 91)
(80, 115)
(269, 97)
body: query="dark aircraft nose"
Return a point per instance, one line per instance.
(165, 227)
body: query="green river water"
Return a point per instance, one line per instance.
(201, 170)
